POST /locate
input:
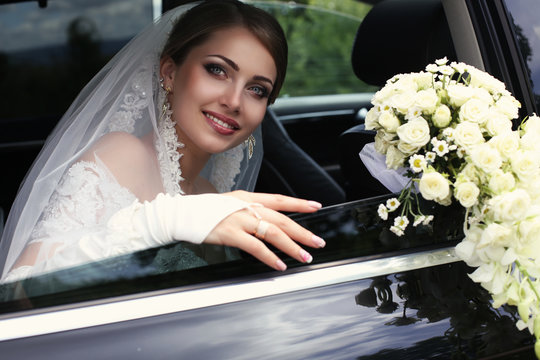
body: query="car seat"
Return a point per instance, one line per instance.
(287, 169)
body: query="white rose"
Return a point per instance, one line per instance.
(406, 148)
(509, 106)
(483, 95)
(403, 100)
(532, 124)
(482, 79)
(510, 206)
(525, 164)
(414, 132)
(371, 121)
(495, 235)
(468, 134)
(389, 121)
(467, 193)
(529, 229)
(475, 111)
(427, 100)
(381, 144)
(485, 157)
(434, 186)
(423, 80)
(394, 158)
(501, 181)
(531, 141)
(442, 116)
(507, 144)
(459, 94)
(498, 124)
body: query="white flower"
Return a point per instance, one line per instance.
(403, 100)
(440, 147)
(468, 134)
(383, 212)
(459, 94)
(389, 121)
(371, 121)
(498, 124)
(430, 156)
(507, 144)
(394, 158)
(417, 163)
(485, 157)
(414, 132)
(525, 164)
(427, 100)
(442, 116)
(432, 68)
(392, 204)
(482, 79)
(495, 235)
(467, 193)
(448, 133)
(397, 230)
(509, 106)
(413, 112)
(441, 61)
(401, 222)
(474, 110)
(418, 220)
(510, 206)
(381, 142)
(427, 220)
(434, 186)
(406, 148)
(501, 181)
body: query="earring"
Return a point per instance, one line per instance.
(167, 89)
(250, 143)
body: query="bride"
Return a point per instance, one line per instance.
(161, 146)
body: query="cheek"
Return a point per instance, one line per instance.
(254, 114)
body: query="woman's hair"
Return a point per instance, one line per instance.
(197, 24)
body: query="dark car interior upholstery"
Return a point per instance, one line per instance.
(396, 36)
(289, 170)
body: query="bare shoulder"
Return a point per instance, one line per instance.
(116, 146)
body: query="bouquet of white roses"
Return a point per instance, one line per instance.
(451, 127)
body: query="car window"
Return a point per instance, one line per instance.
(527, 31)
(320, 35)
(320, 60)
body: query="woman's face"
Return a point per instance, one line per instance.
(220, 91)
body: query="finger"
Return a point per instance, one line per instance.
(258, 249)
(293, 230)
(279, 202)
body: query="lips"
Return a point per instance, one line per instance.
(220, 123)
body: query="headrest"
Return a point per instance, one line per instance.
(400, 36)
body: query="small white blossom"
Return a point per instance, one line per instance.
(401, 222)
(430, 156)
(396, 230)
(392, 204)
(440, 147)
(417, 163)
(441, 61)
(383, 212)
(419, 220)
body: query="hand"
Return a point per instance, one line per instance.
(239, 228)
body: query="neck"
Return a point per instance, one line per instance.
(192, 162)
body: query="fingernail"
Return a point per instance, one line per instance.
(314, 204)
(281, 265)
(306, 256)
(318, 241)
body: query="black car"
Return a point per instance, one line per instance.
(368, 294)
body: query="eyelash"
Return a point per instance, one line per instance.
(218, 70)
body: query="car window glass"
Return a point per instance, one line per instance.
(320, 35)
(527, 30)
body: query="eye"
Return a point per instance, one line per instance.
(215, 69)
(260, 91)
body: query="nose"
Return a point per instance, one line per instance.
(232, 98)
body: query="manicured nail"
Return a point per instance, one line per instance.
(314, 204)
(318, 241)
(281, 265)
(306, 256)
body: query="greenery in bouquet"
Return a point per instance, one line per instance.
(451, 128)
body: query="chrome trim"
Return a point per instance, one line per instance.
(156, 9)
(124, 310)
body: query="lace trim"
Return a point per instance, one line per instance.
(132, 105)
(226, 168)
(169, 157)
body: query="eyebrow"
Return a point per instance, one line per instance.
(237, 68)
